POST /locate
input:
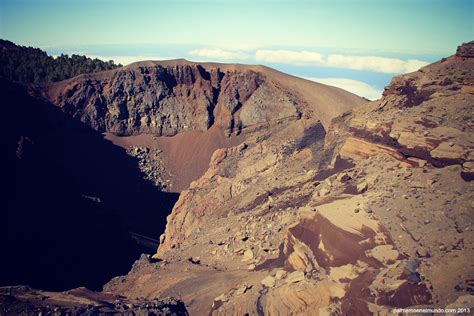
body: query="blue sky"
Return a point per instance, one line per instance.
(362, 42)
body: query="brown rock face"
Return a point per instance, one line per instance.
(354, 216)
(465, 50)
(170, 97)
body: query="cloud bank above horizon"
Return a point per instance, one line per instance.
(312, 58)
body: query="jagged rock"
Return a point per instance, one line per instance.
(357, 149)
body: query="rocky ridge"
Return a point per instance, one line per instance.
(366, 214)
(165, 98)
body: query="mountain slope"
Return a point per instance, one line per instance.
(360, 216)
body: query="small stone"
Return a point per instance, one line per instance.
(426, 221)
(280, 274)
(194, 260)
(357, 210)
(324, 192)
(361, 187)
(251, 267)
(248, 255)
(268, 281)
(242, 147)
(442, 248)
(295, 277)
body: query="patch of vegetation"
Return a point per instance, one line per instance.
(32, 65)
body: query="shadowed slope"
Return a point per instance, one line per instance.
(70, 198)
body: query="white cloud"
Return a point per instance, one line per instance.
(368, 63)
(357, 87)
(374, 63)
(219, 54)
(289, 57)
(243, 47)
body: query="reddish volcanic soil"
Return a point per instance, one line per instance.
(186, 155)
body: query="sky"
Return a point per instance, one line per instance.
(358, 45)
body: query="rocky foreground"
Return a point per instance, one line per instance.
(370, 213)
(22, 300)
(318, 203)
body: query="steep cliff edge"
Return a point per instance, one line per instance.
(368, 213)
